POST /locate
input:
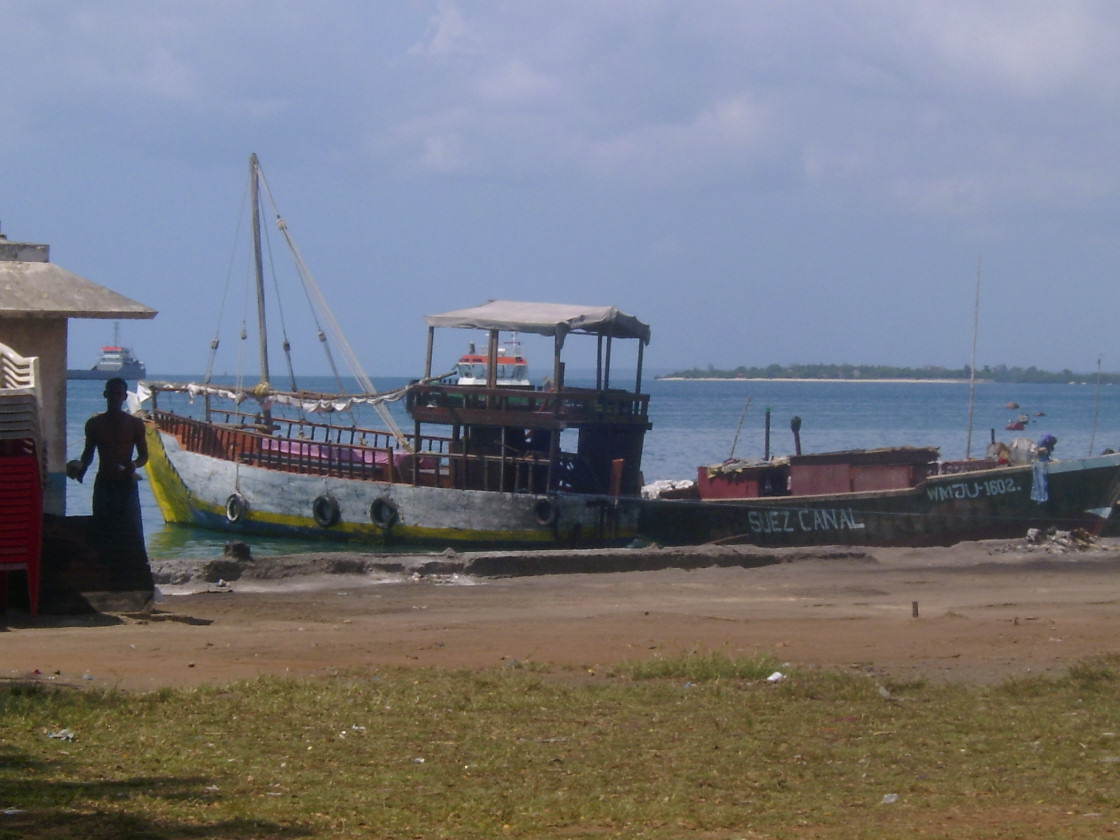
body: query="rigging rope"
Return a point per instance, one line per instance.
(216, 340)
(321, 314)
(320, 307)
(240, 374)
(286, 344)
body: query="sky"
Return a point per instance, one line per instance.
(760, 181)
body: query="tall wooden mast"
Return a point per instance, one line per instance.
(258, 265)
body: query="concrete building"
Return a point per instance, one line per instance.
(37, 299)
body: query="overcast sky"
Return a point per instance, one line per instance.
(760, 182)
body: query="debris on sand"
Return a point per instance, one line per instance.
(238, 550)
(671, 489)
(1053, 541)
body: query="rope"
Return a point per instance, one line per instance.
(216, 340)
(320, 308)
(286, 344)
(325, 323)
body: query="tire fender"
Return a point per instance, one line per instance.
(545, 511)
(237, 507)
(383, 512)
(325, 510)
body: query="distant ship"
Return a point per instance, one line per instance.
(511, 370)
(115, 360)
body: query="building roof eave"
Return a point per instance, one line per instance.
(46, 290)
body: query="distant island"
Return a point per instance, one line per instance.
(999, 373)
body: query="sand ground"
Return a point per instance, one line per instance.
(985, 611)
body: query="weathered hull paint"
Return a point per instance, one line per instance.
(194, 489)
(942, 510)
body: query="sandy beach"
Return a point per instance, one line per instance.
(985, 611)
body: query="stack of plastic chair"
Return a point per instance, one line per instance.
(21, 517)
(21, 473)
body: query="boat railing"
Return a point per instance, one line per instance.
(304, 429)
(310, 448)
(371, 455)
(525, 406)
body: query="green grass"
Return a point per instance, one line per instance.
(695, 746)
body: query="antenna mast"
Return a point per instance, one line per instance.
(972, 364)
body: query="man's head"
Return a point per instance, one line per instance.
(116, 389)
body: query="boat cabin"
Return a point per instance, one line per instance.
(824, 473)
(508, 437)
(861, 470)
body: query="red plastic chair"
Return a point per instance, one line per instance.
(21, 517)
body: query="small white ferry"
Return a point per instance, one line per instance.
(511, 368)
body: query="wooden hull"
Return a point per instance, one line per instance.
(225, 495)
(942, 510)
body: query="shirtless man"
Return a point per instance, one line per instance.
(114, 434)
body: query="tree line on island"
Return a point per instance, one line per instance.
(997, 373)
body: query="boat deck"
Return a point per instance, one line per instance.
(527, 408)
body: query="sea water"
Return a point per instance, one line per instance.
(699, 422)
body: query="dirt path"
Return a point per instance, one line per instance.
(985, 611)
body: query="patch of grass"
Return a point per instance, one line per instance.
(1097, 673)
(699, 667)
(694, 746)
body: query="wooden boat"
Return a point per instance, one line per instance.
(482, 466)
(900, 496)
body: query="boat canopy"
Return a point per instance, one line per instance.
(556, 319)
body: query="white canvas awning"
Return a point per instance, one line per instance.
(556, 319)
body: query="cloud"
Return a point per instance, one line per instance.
(809, 95)
(1028, 50)
(720, 142)
(665, 138)
(444, 153)
(446, 34)
(931, 105)
(516, 83)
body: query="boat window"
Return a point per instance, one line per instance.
(471, 370)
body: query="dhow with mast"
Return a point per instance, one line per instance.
(483, 465)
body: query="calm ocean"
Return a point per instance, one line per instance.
(695, 422)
